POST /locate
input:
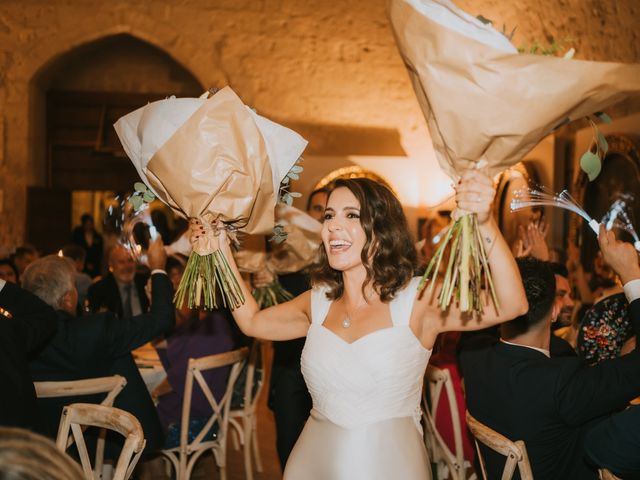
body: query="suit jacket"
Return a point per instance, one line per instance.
(546, 402)
(614, 443)
(97, 346)
(33, 322)
(105, 295)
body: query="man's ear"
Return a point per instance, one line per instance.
(555, 312)
(67, 303)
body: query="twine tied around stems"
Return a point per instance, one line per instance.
(205, 235)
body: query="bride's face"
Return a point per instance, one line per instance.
(342, 234)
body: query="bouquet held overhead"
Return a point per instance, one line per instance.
(216, 161)
(486, 106)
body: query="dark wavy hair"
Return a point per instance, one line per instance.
(393, 260)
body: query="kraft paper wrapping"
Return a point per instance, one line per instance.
(302, 244)
(482, 99)
(252, 256)
(212, 159)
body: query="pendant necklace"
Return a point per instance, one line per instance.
(346, 323)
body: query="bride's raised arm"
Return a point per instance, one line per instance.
(474, 194)
(286, 321)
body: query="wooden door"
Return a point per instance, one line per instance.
(48, 218)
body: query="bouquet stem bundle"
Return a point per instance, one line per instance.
(206, 273)
(467, 268)
(272, 294)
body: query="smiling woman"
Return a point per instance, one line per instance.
(369, 332)
(364, 225)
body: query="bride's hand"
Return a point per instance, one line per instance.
(474, 194)
(198, 231)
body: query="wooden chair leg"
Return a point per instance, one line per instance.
(248, 467)
(256, 448)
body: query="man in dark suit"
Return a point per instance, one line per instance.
(122, 290)
(614, 443)
(97, 345)
(26, 323)
(513, 386)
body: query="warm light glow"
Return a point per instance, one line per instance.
(418, 183)
(60, 254)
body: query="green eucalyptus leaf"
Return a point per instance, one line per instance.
(140, 187)
(288, 200)
(148, 196)
(604, 118)
(297, 169)
(285, 181)
(591, 165)
(293, 176)
(295, 194)
(602, 142)
(135, 201)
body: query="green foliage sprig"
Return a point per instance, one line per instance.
(286, 196)
(555, 49)
(140, 196)
(591, 162)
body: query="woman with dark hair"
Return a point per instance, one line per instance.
(370, 332)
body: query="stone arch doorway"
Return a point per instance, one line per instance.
(75, 101)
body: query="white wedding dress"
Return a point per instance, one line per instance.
(365, 422)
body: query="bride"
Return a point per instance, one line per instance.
(370, 333)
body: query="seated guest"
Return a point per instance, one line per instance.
(8, 271)
(513, 386)
(604, 329)
(122, 290)
(96, 345)
(196, 334)
(614, 443)
(26, 324)
(564, 299)
(83, 281)
(23, 256)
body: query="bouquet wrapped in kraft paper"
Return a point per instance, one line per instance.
(302, 245)
(216, 161)
(272, 258)
(486, 103)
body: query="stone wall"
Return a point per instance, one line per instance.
(314, 61)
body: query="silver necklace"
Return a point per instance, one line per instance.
(346, 323)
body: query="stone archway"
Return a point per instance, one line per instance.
(22, 98)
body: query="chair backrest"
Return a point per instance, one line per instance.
(78, 415)
(112, 386)
(515, 452)
(438, 381)
(255, 376)
(220, 415)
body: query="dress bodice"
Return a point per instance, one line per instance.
(377, 377)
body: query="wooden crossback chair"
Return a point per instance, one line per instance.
(449, 464)
(247, 431)
(515, 452)
(112, 386)
(184, 457)
(78, 415)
